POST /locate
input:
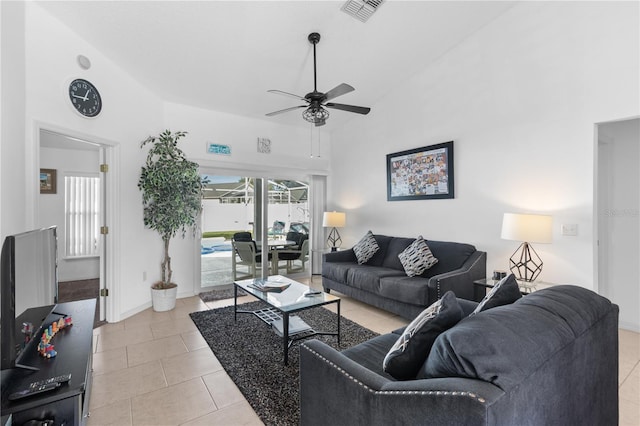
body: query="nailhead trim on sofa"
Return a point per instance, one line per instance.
(437, 393)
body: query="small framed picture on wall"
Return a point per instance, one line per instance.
(47, 181)
(421, 174)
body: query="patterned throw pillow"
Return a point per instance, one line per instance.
(406, 356)
(366, 248)
(505, 292)
(417, 258)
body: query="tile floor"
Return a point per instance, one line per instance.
(155, 369)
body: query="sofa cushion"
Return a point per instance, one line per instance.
(506, 344)
(504, 292)
(368, 277)
(396, 246)
(336, 271)
(411, 349)
(378, 258)
(413, 290)
(417, 258)
(371, 353)
(450, 255)
(366, 248)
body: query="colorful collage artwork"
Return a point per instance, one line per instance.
(421, 173)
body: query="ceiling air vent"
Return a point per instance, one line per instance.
(361, 9)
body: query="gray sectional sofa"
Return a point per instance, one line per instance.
(382, 281)
(550, 358)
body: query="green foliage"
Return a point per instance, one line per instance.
(171, 192)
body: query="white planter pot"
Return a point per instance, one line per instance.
(164, 299)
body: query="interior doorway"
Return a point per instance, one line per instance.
(617, 216)
(78, 209)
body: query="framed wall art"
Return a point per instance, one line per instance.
(421, 174)
(47, 181)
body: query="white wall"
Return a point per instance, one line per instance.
(52, 211)
(520, 99)
(51, 51)
(12, 106)
(290, 146)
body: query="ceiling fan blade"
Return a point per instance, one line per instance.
(280, 92)
(285, 110)
(339, 90)
(350, 108)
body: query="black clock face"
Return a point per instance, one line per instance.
(85, 98)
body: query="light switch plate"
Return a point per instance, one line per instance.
(569, 230)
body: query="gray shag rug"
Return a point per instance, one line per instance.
(251, 354)
(220, 294)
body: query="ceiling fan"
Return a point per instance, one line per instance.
(314, 112)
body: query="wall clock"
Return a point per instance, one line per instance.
(85, 98)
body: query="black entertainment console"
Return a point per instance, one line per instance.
(67, 404)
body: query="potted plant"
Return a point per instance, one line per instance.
(172, 200)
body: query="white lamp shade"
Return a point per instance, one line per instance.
(530, 228)
(334, 219)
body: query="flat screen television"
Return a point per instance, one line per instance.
(28, 279)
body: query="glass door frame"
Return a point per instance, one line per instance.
(261, 216)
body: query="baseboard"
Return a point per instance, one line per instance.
(629, 326)
(147, 305)
(134, 311)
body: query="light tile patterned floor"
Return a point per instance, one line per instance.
(155, 369)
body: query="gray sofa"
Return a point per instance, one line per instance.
(550, 358)
(382, 281)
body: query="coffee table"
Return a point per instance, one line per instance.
(284, 303)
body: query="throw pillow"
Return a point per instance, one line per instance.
(505, 292)
(417, 258)
(406, 356)
(366, 248)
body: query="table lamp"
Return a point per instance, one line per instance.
(334, 220)
(525, 263)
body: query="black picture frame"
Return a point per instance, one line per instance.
(421, 174)
(48, 181)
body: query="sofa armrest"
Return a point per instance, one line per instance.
(336, 390)
(340, 256)
(460, 280)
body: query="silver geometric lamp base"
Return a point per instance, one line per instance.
(525, 263)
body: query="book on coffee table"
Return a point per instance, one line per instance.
(266, 285)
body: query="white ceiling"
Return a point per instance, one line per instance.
(225, 55)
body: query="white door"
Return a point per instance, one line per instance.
(618, 217)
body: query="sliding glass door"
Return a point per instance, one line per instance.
(234, 204)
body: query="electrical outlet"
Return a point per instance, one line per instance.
(569, 230)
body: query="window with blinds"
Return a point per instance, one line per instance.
(82, 215)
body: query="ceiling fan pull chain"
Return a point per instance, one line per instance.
(311, 141)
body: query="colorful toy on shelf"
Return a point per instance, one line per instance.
(27, 331)
(45, 348)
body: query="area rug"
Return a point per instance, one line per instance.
(251, 353)
(219, 294)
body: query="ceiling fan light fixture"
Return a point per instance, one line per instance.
(315, 115)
